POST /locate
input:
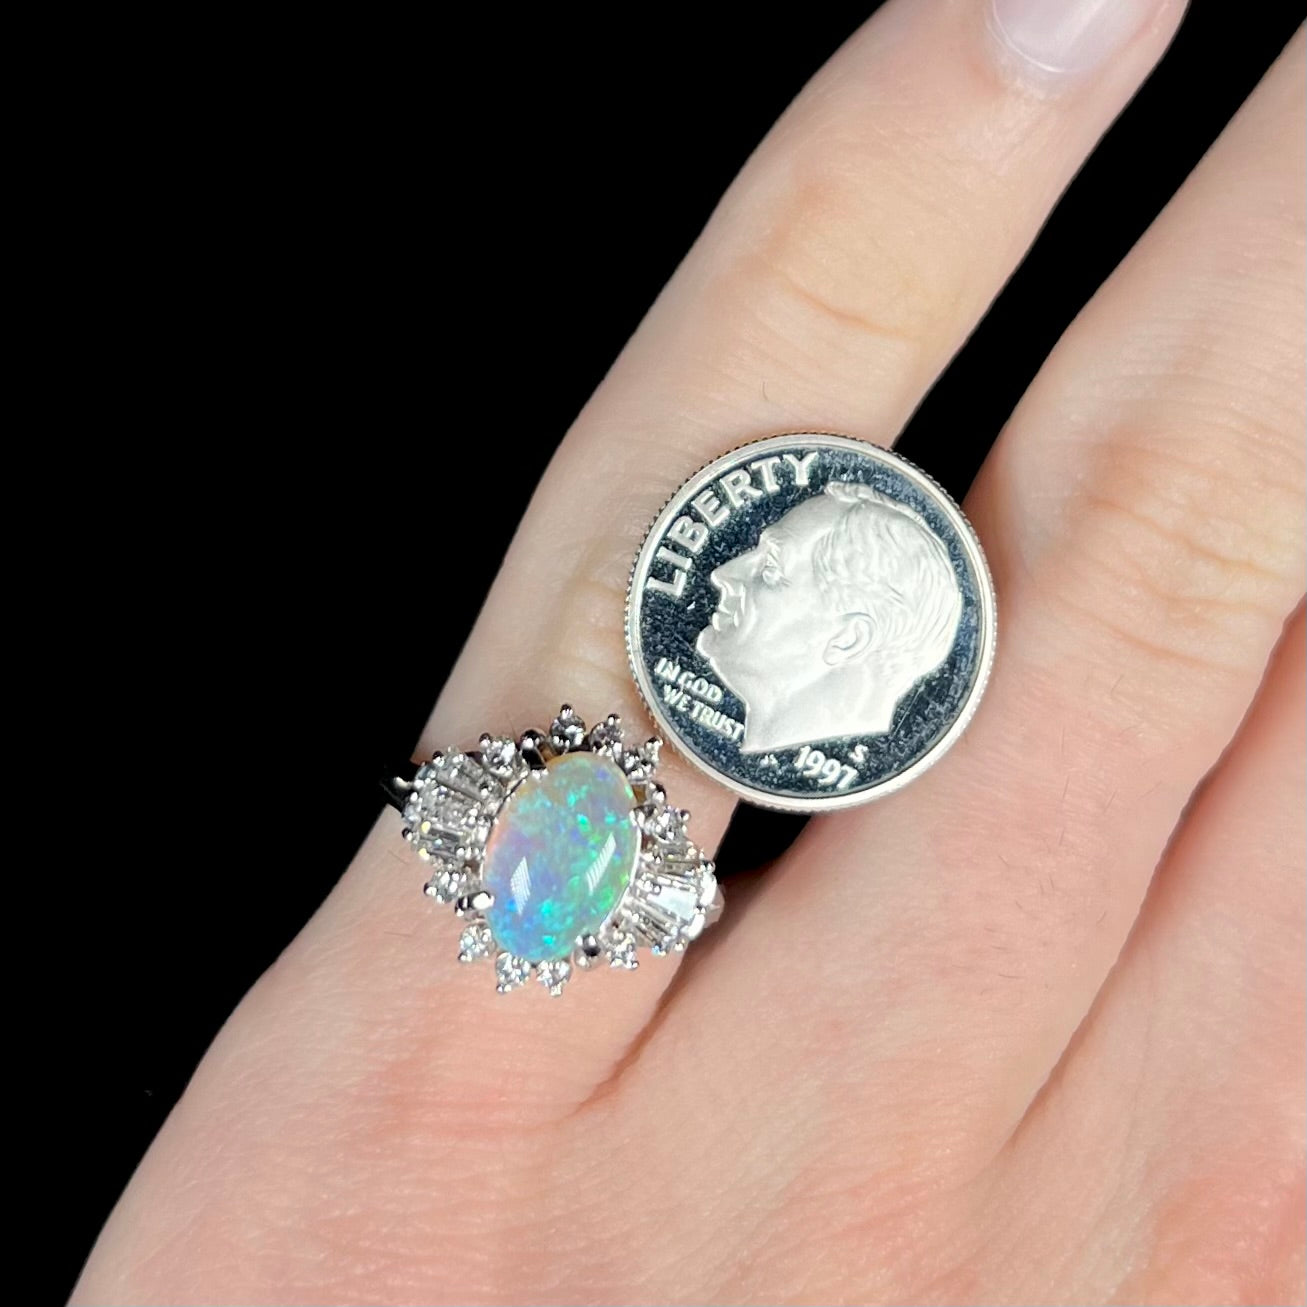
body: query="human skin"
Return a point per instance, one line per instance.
(1028, 1031)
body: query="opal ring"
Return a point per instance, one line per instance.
(558, 850)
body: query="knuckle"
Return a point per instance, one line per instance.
(1265, 1264)
(589, 647)
(1182, 554)
(842, 256)
(581, 641)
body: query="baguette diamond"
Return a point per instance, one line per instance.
(558, 852)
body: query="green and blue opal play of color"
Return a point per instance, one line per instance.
(560, 855)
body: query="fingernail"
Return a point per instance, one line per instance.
(1067, 37)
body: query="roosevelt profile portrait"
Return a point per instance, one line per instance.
(844, 604)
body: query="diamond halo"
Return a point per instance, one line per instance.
(450, 808)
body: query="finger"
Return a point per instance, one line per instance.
(840, 272)
(1185, 1086)
(853, 254)
(1144, 515)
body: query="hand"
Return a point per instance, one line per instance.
(1029, 1030)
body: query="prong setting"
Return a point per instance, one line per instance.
(474, 903)
(587, 952)
(452, 805)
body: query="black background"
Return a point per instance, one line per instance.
(374, 261)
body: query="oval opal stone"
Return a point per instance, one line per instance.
(560, 855)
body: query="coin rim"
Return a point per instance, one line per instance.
(988, 634)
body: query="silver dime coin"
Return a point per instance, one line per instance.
(811, 621)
